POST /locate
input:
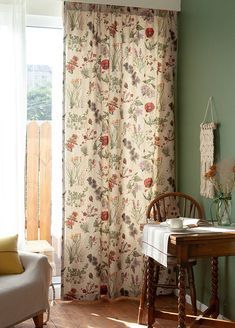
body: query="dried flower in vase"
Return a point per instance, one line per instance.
(222, 177)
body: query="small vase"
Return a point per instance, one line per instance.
(223, 209)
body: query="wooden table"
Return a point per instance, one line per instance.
(193, 246)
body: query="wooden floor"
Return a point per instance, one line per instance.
(120, 313)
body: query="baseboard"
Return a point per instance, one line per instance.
(200, 306)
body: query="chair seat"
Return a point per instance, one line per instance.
(173, 262)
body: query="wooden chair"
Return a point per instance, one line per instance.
(171, 205)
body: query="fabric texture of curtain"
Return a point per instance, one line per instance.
(13, 116)
(118, 141)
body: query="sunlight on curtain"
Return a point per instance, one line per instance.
(13, 116)
(119, 141)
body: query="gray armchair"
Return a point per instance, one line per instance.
(25, 295)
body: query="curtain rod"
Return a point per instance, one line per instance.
(174, 5)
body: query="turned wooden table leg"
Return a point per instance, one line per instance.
(214, 286)
(213, 310)
(181, 297)
(143, 295)
(150, 292)
(192, 288)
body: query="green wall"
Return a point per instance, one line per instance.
(206, 67)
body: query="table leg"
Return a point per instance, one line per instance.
(213, 309)
(143, 295)
(150, 292)
(181, 297)
(215, 299)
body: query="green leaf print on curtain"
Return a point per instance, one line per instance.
(118, 141)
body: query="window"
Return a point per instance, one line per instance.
(44, 50)
(39, 92)
(43, 60)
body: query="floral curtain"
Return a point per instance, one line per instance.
(118, 141)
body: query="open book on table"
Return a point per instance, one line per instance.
(190, 222)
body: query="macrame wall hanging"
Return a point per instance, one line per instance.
(207, 151)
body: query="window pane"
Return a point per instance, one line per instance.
(39, 92)
(42, 52)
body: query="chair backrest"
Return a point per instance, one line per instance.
(172, 205)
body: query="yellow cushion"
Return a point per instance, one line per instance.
(9, 259)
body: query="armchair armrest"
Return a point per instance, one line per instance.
(24, 295)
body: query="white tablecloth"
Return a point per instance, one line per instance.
(155, 240)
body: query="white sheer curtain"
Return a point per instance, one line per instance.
(13, 116)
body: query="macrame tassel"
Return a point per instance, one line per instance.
(207, 151)
(207, 157)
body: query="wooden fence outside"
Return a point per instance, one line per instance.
(38, 181)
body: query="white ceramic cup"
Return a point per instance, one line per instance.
(175, 223)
